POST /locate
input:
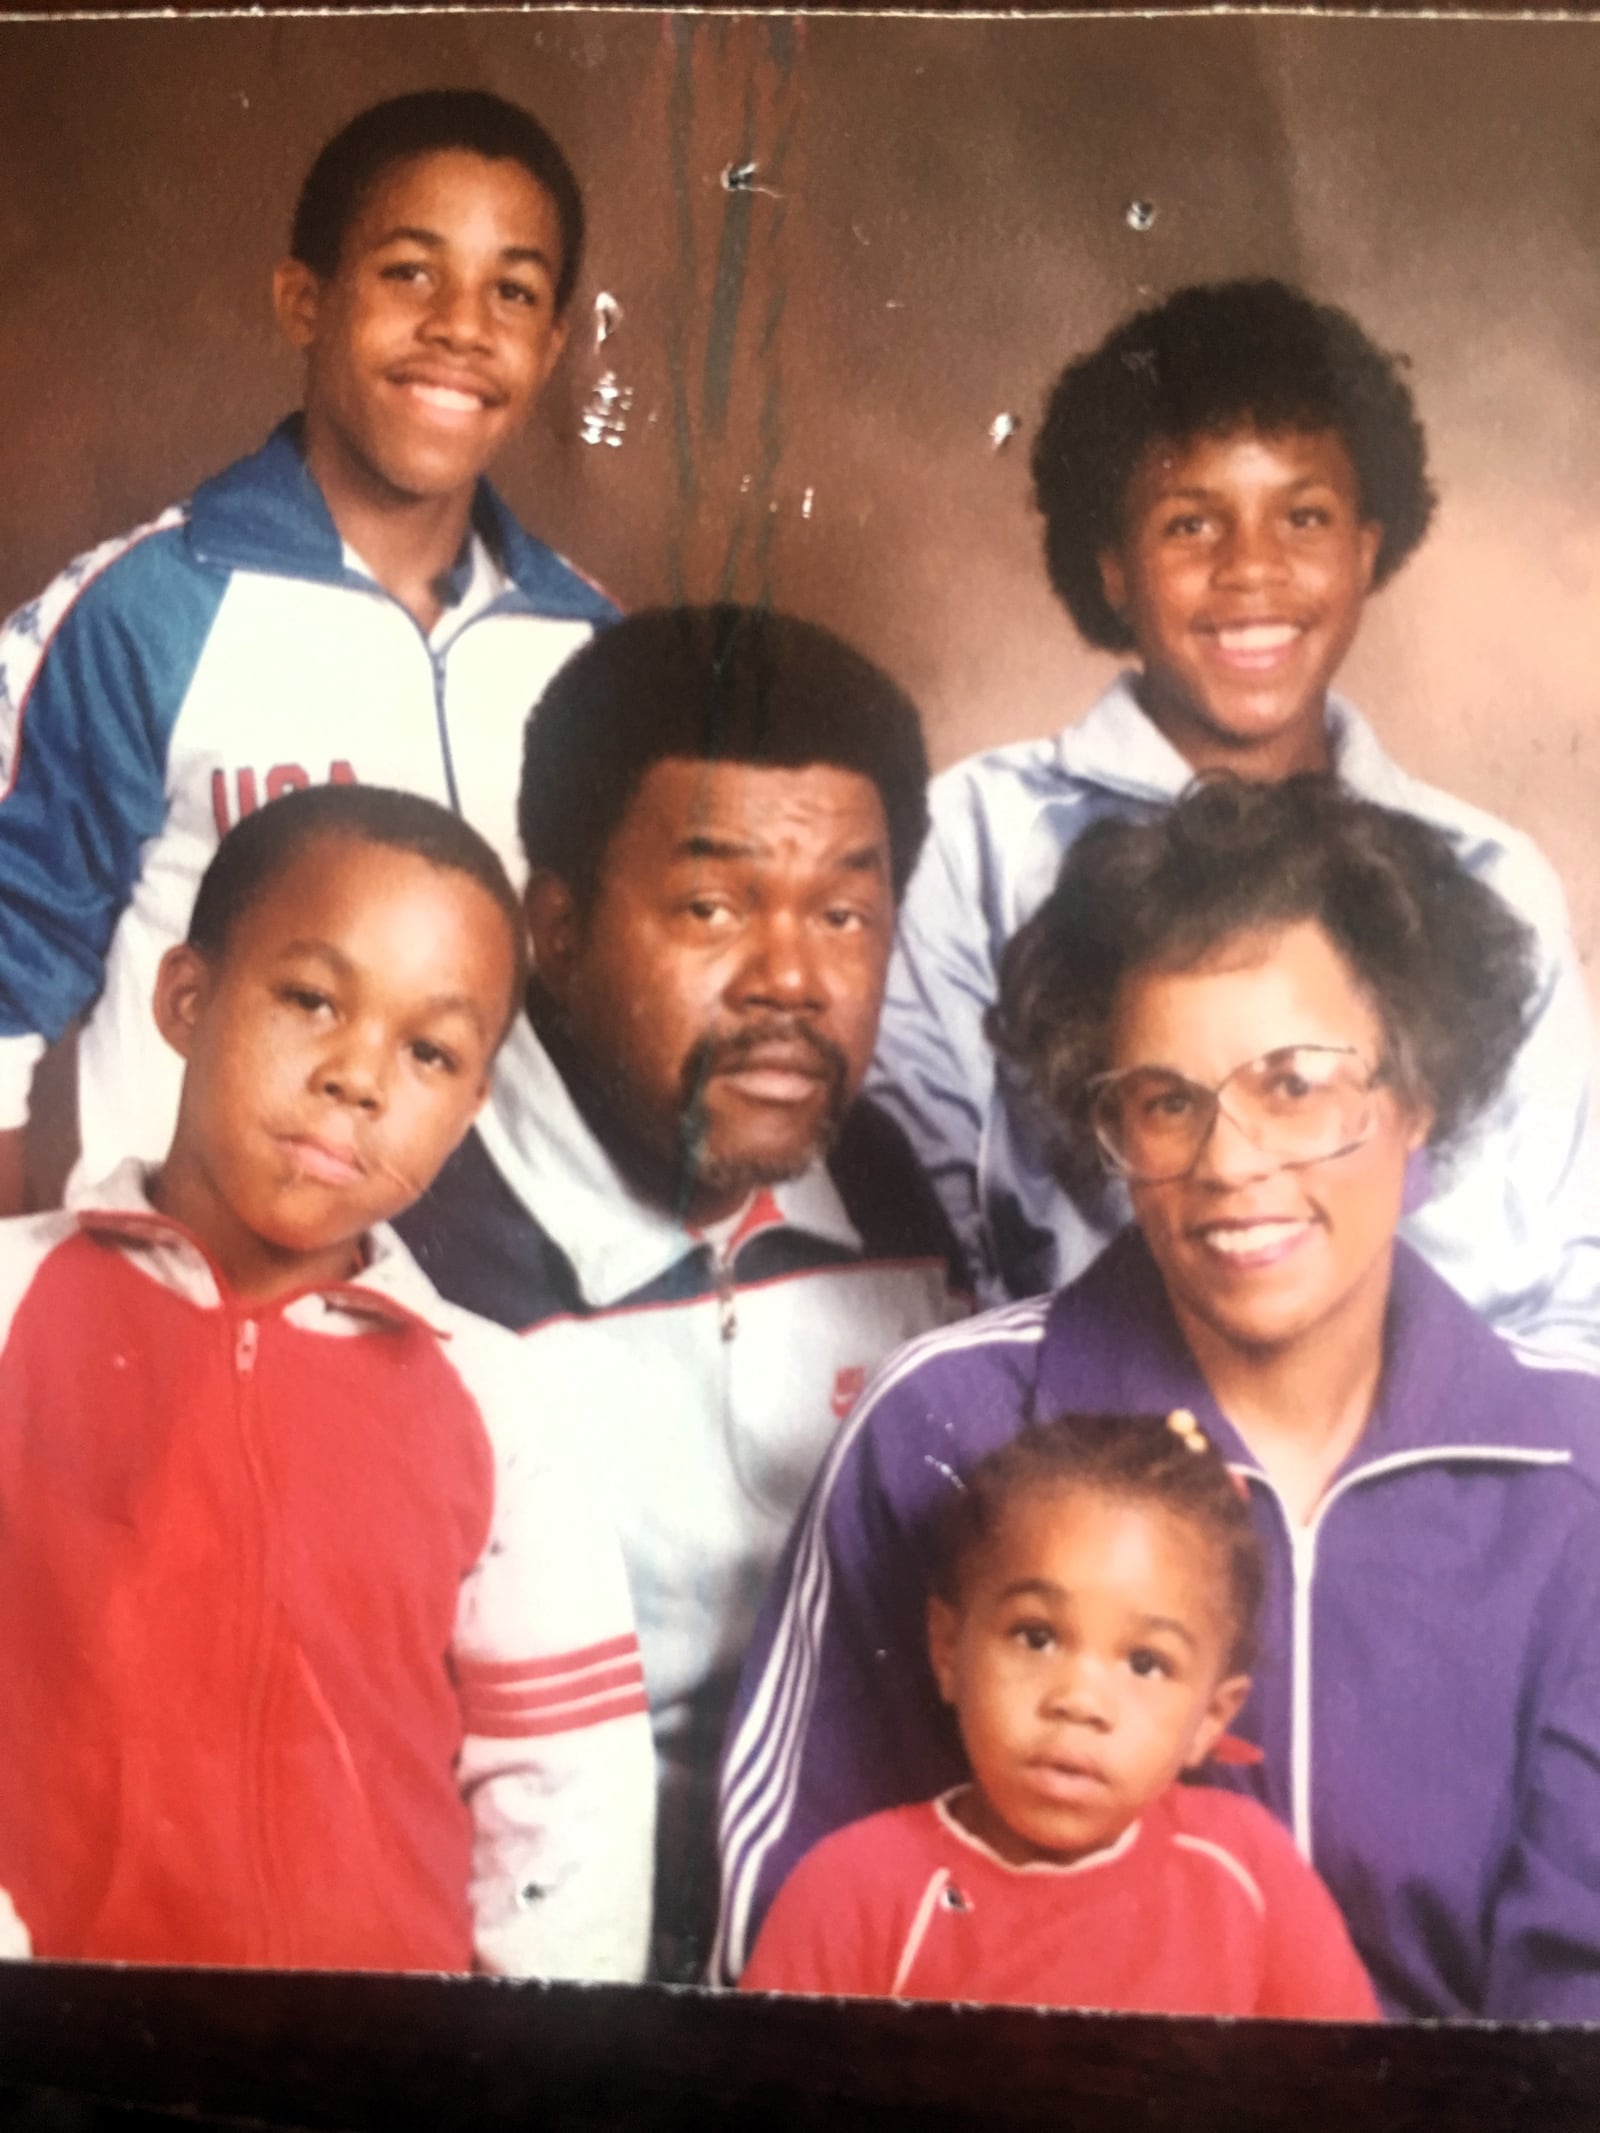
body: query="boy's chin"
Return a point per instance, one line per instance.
(433, 469)
(316, 1247)
(314, 1241)
(399, 472)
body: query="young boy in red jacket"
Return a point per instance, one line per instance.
(317, 1652)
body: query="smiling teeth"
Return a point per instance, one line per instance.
(448, 396)
(1254, 1237)
(1257, 636)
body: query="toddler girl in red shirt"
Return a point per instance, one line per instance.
(1095, 1586)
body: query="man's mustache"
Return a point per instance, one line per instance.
(726, 1055)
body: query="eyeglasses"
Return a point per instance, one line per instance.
(1303, 1103)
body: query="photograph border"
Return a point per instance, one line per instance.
(89, 2046)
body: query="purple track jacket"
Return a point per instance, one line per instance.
(1427, 1698)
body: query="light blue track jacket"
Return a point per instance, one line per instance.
(178, 676)
(1513, 1221)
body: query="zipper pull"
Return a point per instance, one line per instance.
(244, 1352)
(727, 1312)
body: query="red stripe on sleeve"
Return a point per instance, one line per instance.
(480, 1671)
(569, 1718)
(499, 1698)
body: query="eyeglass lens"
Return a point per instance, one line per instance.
(1300, 1104)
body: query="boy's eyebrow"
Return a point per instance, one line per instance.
(442, 1003)
(461, 1003)
(526, 255)
(310, 945)
(458, 1003)
(413, 233)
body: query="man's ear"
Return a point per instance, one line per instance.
(296, 301)
(183, 986)
(555, 930)
(1220, 1714)
(944, 1624)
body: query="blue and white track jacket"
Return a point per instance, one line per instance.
(177, 677)
(1513, 1221)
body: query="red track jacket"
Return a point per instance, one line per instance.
(315, 1652)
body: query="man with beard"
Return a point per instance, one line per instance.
(674, 1189)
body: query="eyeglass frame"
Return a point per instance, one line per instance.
(1379, 1076)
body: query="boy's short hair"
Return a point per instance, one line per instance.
(1447, 966)
(1210, 359)
(714, 684)
(1146, 1459)
(267, 842)
(426, 123)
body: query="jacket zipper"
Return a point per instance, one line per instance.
(1302, 1571)
(246, 1348)
(436, 662)
(1303, 1563)
(436, 667)
(727, 1305)
(722, 1275)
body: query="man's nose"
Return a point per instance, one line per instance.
(782, 966)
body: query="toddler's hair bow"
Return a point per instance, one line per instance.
(1184, 1426)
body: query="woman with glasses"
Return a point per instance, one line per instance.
(1263, 1012)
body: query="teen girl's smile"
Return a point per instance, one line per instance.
(1242, 568)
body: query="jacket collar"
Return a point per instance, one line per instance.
(1116, 746)
(616, 1241)
(1449, 1382)
(266, 513)
(390, 1288)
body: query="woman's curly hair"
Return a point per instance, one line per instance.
(1213, 358)
(1448, 967)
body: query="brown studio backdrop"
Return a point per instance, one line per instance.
(807, 368)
